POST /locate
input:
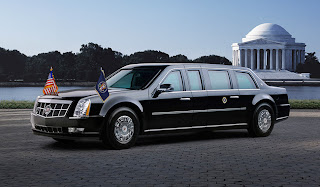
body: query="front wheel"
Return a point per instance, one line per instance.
(122, 128)
(263, 121)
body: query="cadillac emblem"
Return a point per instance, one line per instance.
(102, 86)
(47, 109)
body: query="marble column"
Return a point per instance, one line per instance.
(258, 59)
(252, 55)
(265, 60)
(277, 59)
(294, 60)
(239, 58)
(245, 58)
(233, 57)
(271, 59)
(283, 59)
(303, 56)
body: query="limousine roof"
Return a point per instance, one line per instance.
(166, 64)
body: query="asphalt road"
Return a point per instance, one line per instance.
(290, 156)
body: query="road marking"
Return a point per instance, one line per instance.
(14, 119)
(305, 114)
(15, 115)
(16, 125)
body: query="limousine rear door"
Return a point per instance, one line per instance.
(223, 106)
(248, 88)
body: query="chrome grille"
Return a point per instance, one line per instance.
(52, 108)
(48, 129)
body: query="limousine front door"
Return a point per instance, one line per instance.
(171, 110)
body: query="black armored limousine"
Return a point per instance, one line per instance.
(163, 97)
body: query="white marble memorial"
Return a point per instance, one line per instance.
(268, 47)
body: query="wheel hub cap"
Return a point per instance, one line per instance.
(264, 120)
(124, 129)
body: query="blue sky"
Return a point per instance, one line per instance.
(189, 27)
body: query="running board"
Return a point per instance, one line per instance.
(195, 127)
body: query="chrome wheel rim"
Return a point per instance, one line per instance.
(124, 129)
(264, 120)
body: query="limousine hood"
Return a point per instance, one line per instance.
(80, 93)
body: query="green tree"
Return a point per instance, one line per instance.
(311, 66)
(12, 64)
(179, 58)
(92, 57)
(213, 59)
(146, 56)
(38, 66)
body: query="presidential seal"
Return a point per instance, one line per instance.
(102, 86)
(224, 100)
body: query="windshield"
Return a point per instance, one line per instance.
(133, 79)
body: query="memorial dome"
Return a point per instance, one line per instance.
(269, 31)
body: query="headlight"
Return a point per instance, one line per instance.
(83, 108)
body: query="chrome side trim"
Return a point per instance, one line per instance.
(197, 111)
(194, 127)
(282, 118)
(78, 118)
(85, 117)
(284, 105)
(226, 109)
(172, 112)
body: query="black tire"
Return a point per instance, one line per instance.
(64, 141)
(118, 131)
(266, 121)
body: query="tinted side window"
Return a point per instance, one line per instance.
(245, 81)
(219, 80)
(174, 78)
(194, 80)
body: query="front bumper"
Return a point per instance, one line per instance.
(59, 127)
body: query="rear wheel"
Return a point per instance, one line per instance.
(263, 121)
(121, 129)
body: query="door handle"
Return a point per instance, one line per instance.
(185, 99)
(234, 97)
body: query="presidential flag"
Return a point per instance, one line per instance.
(51, 87)
(101, 87)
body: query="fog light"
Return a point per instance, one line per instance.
(75, 130)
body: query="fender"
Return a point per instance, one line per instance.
(261, 97)
(116, 100)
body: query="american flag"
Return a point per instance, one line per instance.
(51, 87)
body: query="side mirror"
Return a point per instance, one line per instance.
(163, 88)
(166, 88)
